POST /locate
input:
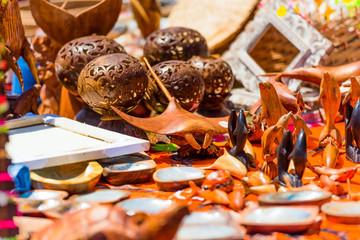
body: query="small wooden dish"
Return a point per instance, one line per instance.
(73, 178)
(41, 195)
(280, 219)
(65, 207)
(101, 196)
(317, 198)
(134, 168)
(342, 212)
(147, 205)
(177, 178)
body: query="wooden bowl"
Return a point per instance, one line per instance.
(41, 195)
(177, 178)
(317, 198)
(134, 168)
(73, 178)
(101, 196)
(65, 207)
(280, 219)
(342, 212)
(147, 205)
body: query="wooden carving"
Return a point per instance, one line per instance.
(287, 152)
(63, 26)
(12, 30)
(269, 141)
(291, 101)
(315, 74)
(147, 15)
(352, 131)
(27, 102)
(272, 109)
(237, 127)
(354, 93)
(179, 122)
(330, 99)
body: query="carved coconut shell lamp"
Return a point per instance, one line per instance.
(117, 80)
(73, 57)
(219, 79)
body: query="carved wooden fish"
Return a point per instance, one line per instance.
(177, 121)
(272, 109)
(330, 98)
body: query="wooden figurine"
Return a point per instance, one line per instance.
(291, 101)
(330, 99)
(115, 81)
(354, 93)
(106, 222)
(66, 26)
(12, 30)
(287, 152)
(219, 79)
(174, 43)
(237, 128)
(269, 141)
(352, 133)
(315, 74)
(271, 107)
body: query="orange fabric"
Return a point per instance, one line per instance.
(323, 229)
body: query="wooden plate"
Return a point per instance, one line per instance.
(342, 212)
(176, 178)
(102, 196)
(295, 198)
(40, 195)
(280, 219)
(134, 168)
(148, 205)
(73, 178)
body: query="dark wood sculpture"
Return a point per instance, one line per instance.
(291, 101)
(174, 43)
(182, 81)
(114, 81)
(315, 74)
(112, 223)
(12, 30)
(330, 99)
(237, 128)
(352, 131)
(287, 151)
(219, 80)
(63, 26)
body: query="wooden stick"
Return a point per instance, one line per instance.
(64, 5)
(158, 81)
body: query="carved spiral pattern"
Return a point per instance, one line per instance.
(218, 78)
(174, 43)
(112, 80)
(74, 55)
(183, 82)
